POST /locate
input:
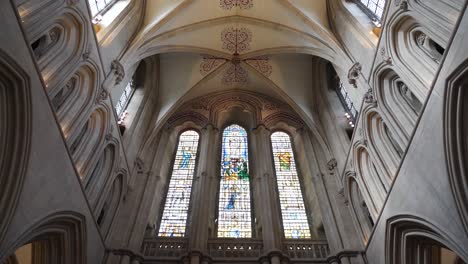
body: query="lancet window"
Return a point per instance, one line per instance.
(234, 205)
(374, 8)
(100, 6)
(174, 218)
(293, 211)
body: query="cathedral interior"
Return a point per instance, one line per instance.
(233, 131)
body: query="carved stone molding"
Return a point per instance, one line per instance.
(332, 164)
(15, 135)
(369, 97)
(353, 74)
(62, 238)
(118, 71)
(385, 57)
(102, 96)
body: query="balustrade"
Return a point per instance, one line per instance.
(306, 249)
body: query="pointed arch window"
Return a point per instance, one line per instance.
(234, 213)
(293, 212)
(174, 218)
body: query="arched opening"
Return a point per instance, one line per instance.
(363, 217)
(58, 238)
(100, 174)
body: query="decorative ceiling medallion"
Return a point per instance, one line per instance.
(235, 75)
(242, 4)
(210, 63)
(261, 64)
(236, 40)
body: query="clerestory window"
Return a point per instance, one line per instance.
(100, 6)
(174, 218)
(234, 213)
(293, 211)
(374, 8)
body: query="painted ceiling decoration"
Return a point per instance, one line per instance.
(242, 4)
(236, 41)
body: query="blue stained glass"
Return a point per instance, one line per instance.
(174, 219)
(234, 214)
(295, 223)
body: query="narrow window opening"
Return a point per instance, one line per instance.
(38, 46)
(366, 212)
(175, 213)
(429, 46)
(293, 211)
(234, 208)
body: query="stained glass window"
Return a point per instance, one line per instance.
(174, 218)
(376, 7)
(234, 215)
(295, 223)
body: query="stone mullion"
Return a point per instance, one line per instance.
(203, 192)
(268, 207)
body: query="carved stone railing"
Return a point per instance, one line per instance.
(235, 248)
(306, 249)
(165, 247)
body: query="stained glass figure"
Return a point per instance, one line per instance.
(295, 223)
(234, 215)
(174, 218)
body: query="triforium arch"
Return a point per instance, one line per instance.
(361, 214)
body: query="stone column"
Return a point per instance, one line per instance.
(265, 189)
(203, 190)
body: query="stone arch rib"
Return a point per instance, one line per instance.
(64, 232)
(15, 135)
(456, 144)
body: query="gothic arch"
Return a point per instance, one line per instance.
(110, 201)
(72, 101)
(432, 10)
(100, 174)
(15, 135)
(360, 211)
(409, 236)
(373, 189)
(60, 238)
(397, 101)
(407, 38)
(91, 139)
(384, 149)
(456, 143)
(68, 34)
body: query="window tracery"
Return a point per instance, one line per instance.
(99, 6)
(234, 213)
(293, 212)
(374, 7)
(124, 99)
(174, 218)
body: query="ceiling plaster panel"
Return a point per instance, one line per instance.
(156, 10)
(269, 10)
(265, 39)
(315, 10)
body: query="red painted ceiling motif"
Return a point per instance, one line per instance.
(235, 74)
(242, 4)
(236, 40)
(210, 63)
(261, 64)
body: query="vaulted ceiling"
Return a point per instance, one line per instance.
(264, 46)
